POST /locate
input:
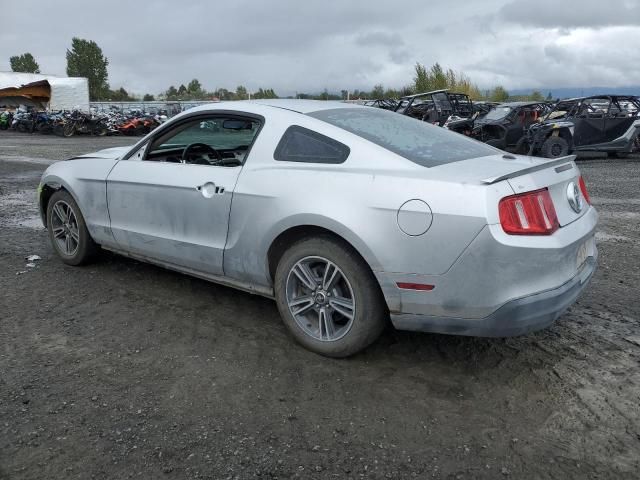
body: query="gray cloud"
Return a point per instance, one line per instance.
(577, 13)
(295, 46)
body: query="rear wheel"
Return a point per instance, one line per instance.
(328, 298)
(554, 147)
(68, 129)
(68, 231)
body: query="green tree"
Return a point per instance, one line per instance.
(224, 94)
(24, 63)
(421, 80)
(499, 94)
(120, 95)
(182, 91)
(171, 93)
(241, 93)
(377, 92)
(549, 97)
(85, 59)
(195, 90)
(148, 98)
(536, 96)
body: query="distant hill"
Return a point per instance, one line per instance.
(570, 92)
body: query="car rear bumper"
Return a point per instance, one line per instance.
(516, 317)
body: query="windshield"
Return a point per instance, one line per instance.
(420, 142)
(498, 113)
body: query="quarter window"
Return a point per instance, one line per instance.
(299, 144)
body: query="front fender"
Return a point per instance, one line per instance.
(85, 180)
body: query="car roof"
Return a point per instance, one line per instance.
(294, 105)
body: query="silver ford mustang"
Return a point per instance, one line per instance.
(345, 215)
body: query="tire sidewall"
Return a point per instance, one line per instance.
(548, 145)
(370, 309)
(86, 245)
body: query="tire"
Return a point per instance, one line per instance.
(554, 147)
(68, 129)
(85, 248)
(496, 142)
(354, 280)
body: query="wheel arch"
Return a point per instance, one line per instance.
(46, 190)
(293, 233)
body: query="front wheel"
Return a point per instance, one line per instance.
(554, 147)
(68, 231)
(328, 297)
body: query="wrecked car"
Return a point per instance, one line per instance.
(436, 107)
(602, 123)
(347, 216)
(506, 125)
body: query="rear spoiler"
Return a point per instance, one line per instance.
(534, 168)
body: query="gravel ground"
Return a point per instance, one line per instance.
(121, 369)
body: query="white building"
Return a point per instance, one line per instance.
(44, 91)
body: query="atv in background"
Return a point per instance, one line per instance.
(506, 126)
(602, 123)
(436, 107)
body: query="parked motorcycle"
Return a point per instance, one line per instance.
(81, 123)
(6, 118)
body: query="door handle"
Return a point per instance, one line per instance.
(209, 189)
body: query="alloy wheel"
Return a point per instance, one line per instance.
(64, 227)
(320, 298)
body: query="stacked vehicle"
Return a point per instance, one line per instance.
(603, 123)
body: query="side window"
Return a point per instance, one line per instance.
(299, 144)
(214, 140)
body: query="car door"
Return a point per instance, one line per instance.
(589, 123)
(175, 209)
(619, 119)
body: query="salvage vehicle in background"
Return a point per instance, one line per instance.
(602, 123)
(505, 127)
(346, 215)
(436, 107)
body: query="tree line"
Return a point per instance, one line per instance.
(85, 59)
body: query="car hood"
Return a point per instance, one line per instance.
(114, 153)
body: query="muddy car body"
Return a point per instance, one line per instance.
(603, 123)
(346, 215)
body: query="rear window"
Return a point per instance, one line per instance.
(418, 141)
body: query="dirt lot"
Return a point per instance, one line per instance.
(121, 369)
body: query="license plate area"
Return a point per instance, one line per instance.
(585, 250)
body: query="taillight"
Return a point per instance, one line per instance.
(583, 189)
(530, 213)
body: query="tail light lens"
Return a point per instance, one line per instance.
(583, 189)
(530, 213)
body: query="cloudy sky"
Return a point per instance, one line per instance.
(308, 45)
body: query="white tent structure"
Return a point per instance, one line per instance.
(44, 91)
